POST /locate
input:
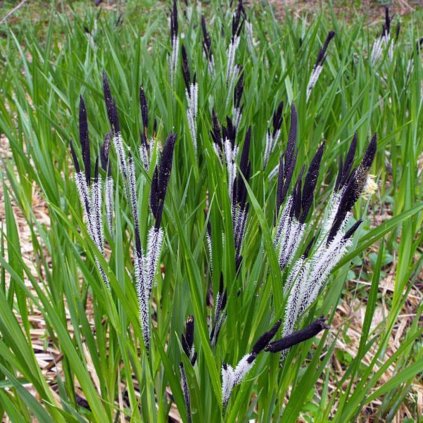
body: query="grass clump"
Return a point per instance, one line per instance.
(163, 282)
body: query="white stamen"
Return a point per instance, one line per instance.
(313, 79)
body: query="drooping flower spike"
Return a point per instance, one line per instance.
(234, 376)
(191, 93)
(295, 338)
(318, 66)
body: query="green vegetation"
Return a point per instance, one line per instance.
(72, 350)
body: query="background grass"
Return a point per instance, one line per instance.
(70, 350)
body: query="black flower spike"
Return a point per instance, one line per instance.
(277, 118)
(144, 110)
(352, 230)
(78, 170)
(110, 105)
(348, 199)
(239, 89)
(370, 153)
(84, 139)
(345, 173)
(309, 247)
(229, 132)
(322, 53)
(104, 154)
(173, 21)
(354, 188)
(387, 26)
(244, 163)
(240, 190)
(216, 132)
(310, 183)
(297, 197)
(96, 170)
(238, 20)
(264, 340)
(287, 161)
(161, 179)
(74, 157)
(297, 337)
(206, 39)
(187, 340)
(419, 44)
(185, 69)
